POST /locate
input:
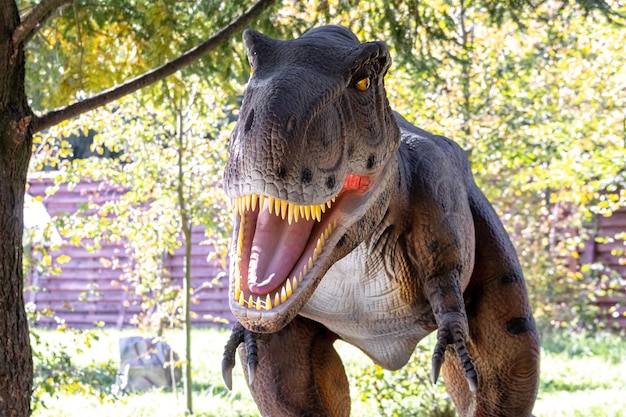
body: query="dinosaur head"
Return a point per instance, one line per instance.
(308, 167)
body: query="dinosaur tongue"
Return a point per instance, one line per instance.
(276, 247)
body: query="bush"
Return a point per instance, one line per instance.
(407, 392)
(56, 374)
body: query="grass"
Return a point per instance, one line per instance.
(580, 376)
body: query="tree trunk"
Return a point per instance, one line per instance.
(16, 366)
(186, 230)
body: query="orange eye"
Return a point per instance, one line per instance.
(363, 84)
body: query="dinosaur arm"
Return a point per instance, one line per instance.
(442, 237)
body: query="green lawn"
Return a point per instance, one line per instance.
(579, 377)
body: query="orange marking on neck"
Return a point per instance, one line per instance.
(356, 183)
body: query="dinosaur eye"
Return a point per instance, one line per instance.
(363, 84)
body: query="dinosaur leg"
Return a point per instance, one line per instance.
(299, 373)
(504, 345)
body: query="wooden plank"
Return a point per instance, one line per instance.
(618, 217)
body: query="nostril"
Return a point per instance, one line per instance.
(330, 182)
(282, 172)
(249, 121)
(371, 161)
(307, 176)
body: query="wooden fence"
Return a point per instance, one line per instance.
(88, 290)
(602, 248)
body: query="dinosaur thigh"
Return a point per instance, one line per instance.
(299, 373)
(504, 345)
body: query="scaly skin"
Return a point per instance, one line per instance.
(351, 223)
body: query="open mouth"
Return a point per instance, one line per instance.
(280, 243)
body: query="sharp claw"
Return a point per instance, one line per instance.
(437, 362)
(251, 372)
(227, 375)
(253, 358)
(473, 383)
(468, 366)
(228, 360)
(436, 367)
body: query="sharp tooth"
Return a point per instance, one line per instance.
(247, 200)
(302, 273)
(317, 213)
(268, 302)
(250, 302)
(255, 197)
(261, 202)
(242, 300)
(288, 289)
(318, 248)
(329, 203)
(276, 300)
(294, 283)
(310, 265)
(290, 213)
(301, 211)
(323, 208)
(240, 238)
(283, 295)
(271, 204)
(283, 209)
(294, 211)
(277, 207)
(237, 289)
(307, 212)
(258, 303)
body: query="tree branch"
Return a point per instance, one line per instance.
(37, 16)
(57, 116)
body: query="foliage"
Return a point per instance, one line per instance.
(85, 48)
(57, 375)
(147, 217)
(609, 347)
(406, 392)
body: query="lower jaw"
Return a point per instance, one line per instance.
(291, 286)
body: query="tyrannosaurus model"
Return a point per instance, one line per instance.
(351, 223)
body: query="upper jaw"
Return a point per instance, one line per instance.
(268, 312)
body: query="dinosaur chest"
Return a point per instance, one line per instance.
(362, 301)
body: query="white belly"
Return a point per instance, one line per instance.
(362, 304)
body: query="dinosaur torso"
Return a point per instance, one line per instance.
(364, 306)
(350, 222)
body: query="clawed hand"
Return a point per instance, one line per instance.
(238, 336)
(452, 332)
